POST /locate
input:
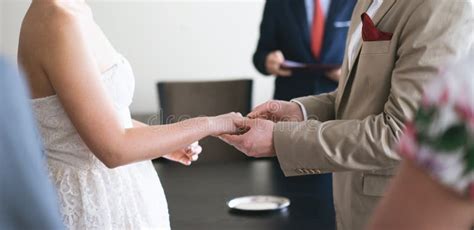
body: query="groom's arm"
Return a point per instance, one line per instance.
(314, 147)
(321, 107)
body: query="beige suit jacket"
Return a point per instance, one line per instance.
(354, 130)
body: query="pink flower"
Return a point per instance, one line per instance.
(408, 146)
(425, 102)
(444, 99)
(466, 113)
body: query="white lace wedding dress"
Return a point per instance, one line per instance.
(91, 195)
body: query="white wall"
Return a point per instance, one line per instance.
(171, 40)
(1, 25)
(11, 14)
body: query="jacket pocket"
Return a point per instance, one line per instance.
(342, 24)
(375, 47)
(375, 185)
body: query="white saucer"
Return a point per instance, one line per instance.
(259, 203)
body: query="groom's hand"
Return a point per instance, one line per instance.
(185, 156)
(257, 141)
(277, 111)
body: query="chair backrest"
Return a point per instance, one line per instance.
(182, 100)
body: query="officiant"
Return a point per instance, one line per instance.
(305, 31)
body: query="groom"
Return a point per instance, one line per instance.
(391, 54)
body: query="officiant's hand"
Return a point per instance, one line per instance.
(277, 111)
(334, 74)
(273, 64)
(257, 141)
(187, 155)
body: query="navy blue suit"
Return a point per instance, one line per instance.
(285, 27)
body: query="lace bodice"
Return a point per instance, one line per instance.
(61, 140)
(91, 195)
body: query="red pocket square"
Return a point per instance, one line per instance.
(370, 33)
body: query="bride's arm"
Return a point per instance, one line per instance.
(184, 156)
(75, 77)
(137, 124)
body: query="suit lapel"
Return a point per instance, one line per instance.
(381, 12)
(332, 13)
(384, 8)
(299, 10)
(356, 20)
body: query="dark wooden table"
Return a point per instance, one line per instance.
(197, 196)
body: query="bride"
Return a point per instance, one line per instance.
(98, 157)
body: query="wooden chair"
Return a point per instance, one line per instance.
(183, 100)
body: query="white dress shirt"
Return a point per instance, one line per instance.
(356, 39)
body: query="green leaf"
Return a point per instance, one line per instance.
(469, 158)
(423, 120)
(454, 138)
(424, 117)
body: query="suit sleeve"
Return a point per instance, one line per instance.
(268, 36)
(321, 107)
(436, 33)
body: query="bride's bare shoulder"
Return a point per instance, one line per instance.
(48, 30)
(44, 23)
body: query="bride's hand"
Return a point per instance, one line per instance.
(231, 123)
(187, 155)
